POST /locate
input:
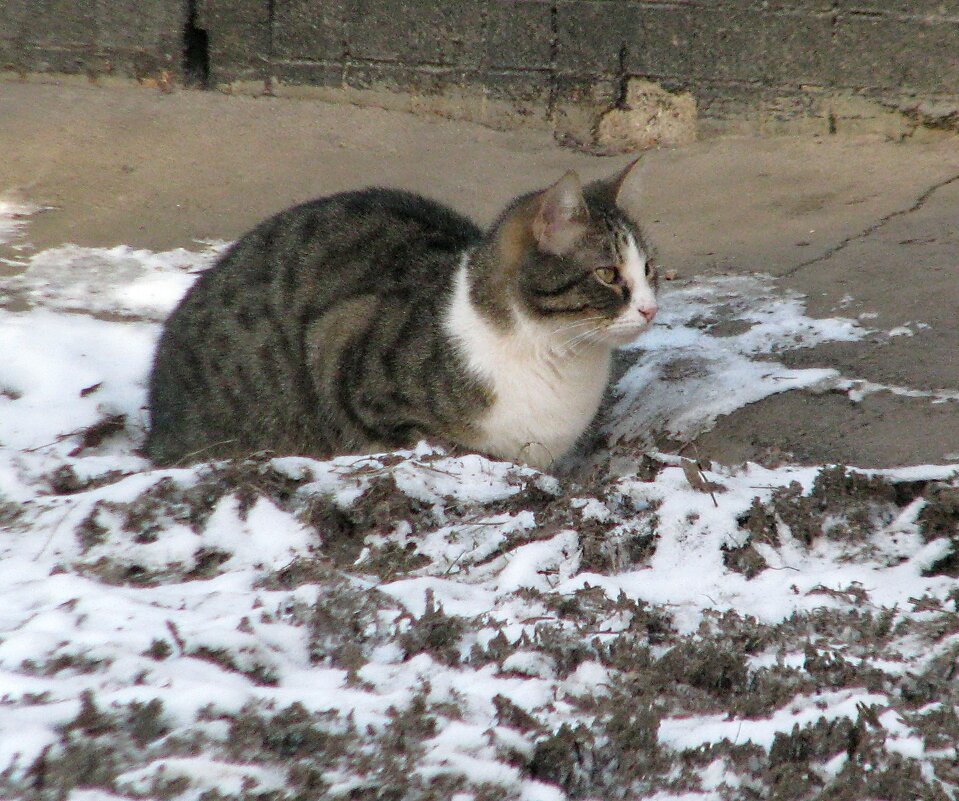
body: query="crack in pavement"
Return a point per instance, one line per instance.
(918, 204)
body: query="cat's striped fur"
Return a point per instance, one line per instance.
(371, 319)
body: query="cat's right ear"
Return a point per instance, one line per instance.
(561, 217)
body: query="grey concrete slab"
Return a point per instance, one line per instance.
(865, 229)
(859, 226)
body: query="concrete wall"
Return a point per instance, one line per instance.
(561, 63)
(132, 38)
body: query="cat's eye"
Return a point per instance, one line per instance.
(605, 274)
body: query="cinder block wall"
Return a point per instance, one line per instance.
(560, 63)
(133, 38)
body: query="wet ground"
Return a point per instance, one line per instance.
(864, 228)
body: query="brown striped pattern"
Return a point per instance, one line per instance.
(320, 331)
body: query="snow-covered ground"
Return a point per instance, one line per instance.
(415, 625)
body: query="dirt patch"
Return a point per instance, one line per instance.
(843, 505)
(168, 503)
(939, 518)
(606, 737)
(93, 747)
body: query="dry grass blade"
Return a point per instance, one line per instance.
(93, 435)
(694, 475)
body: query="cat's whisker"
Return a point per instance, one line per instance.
(573, 329)
(629, 327)
(579, 335)
(583, 336)
(577, 324)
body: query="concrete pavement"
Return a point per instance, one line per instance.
(859, 225)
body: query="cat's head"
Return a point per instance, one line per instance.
(580, 268)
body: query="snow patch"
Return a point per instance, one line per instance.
(491, 627)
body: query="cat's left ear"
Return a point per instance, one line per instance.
(561, 217)
(619, 181)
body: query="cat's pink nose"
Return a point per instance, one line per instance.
(649, 312)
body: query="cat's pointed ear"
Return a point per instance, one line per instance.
(609, 191)
(561, 217)
(619, 181)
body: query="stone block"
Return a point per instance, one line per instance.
(60, 23)
(420, 32)
(153, 25)
(789, 6)
(591, 35)
(520, 86)
(695, 44)
(910, 8)
(418, 79)
(311, 30)
(67, 60)
(518, 34)
(239, 36)
(888, 53)
(14, 14)
(308, 73)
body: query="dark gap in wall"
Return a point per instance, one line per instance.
(196, 51)
(622, 77)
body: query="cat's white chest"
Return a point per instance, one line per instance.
(543, 401)
(540, 409)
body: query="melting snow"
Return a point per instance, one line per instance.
(123, 585)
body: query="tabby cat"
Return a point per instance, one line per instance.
(368, 320)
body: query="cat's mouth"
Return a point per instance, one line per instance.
(612, 334)
(623, 333)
